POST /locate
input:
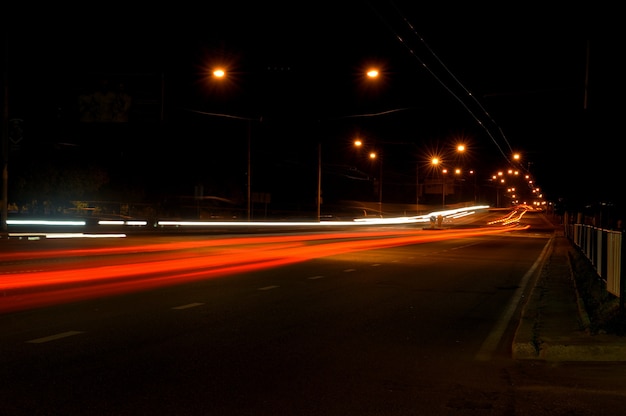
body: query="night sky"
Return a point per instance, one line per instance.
(503, 79)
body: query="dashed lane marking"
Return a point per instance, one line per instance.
(54, 337)
(315, 277)
(189, 305)
(268, 287)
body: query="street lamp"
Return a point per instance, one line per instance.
(319, 182)
(473, 173)
(417, 188)
(435, 161)
(219, 74)
(372, 156)
(498, 179)
(443, 187)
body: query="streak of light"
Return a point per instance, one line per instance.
(41, 288)
(200, 244)
(117, 222)
(44, 222)
(512, 218)
(168, 223)
(33, 236)
(84, 235)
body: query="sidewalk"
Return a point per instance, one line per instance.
(553, 322)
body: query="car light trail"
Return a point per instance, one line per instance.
(452, 213)
(207, 259)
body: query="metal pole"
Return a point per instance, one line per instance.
(417, 190)
(443, 191)
(249, 193)
(380, 187)
(319, 180)
(622, 274)
(475, 189)
(5, 139)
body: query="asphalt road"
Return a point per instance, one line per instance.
(423, 327)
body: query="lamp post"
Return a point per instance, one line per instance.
(220, 74)
(372, 156)
(319, 181)
(435, 161)
(473, 173)
(498, 179)
(249, 175)
(443, 187)
(417, 188)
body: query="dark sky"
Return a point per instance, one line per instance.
(506, 78)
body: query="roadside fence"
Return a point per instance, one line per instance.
(605, 250)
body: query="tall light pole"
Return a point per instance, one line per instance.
(435, 161)
(417, 188)
(5, 141)
(249, 174)
(374, 155)
(443, 188)
(219, 74)
(319, 181)
(473, 173)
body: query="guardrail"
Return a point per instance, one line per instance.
(605, 250)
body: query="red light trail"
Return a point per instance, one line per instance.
(96, 272)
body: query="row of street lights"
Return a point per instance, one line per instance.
(220, 74)
(437, 162)
(511, 179)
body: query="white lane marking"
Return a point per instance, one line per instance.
(187, 306)
(54, 337)
(268, 287)
(375, 265)
(349, 270)
(315, 277)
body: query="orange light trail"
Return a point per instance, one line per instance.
(173, 263)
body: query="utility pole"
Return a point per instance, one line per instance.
(319, 181)
(417, 188)
(5, 135)
(249, 174)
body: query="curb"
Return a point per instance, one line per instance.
(553, 322)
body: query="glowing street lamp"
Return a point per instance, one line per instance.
(220, 74)
(372, 73)
(373, 155)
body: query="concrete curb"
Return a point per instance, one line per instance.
(554, 322)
